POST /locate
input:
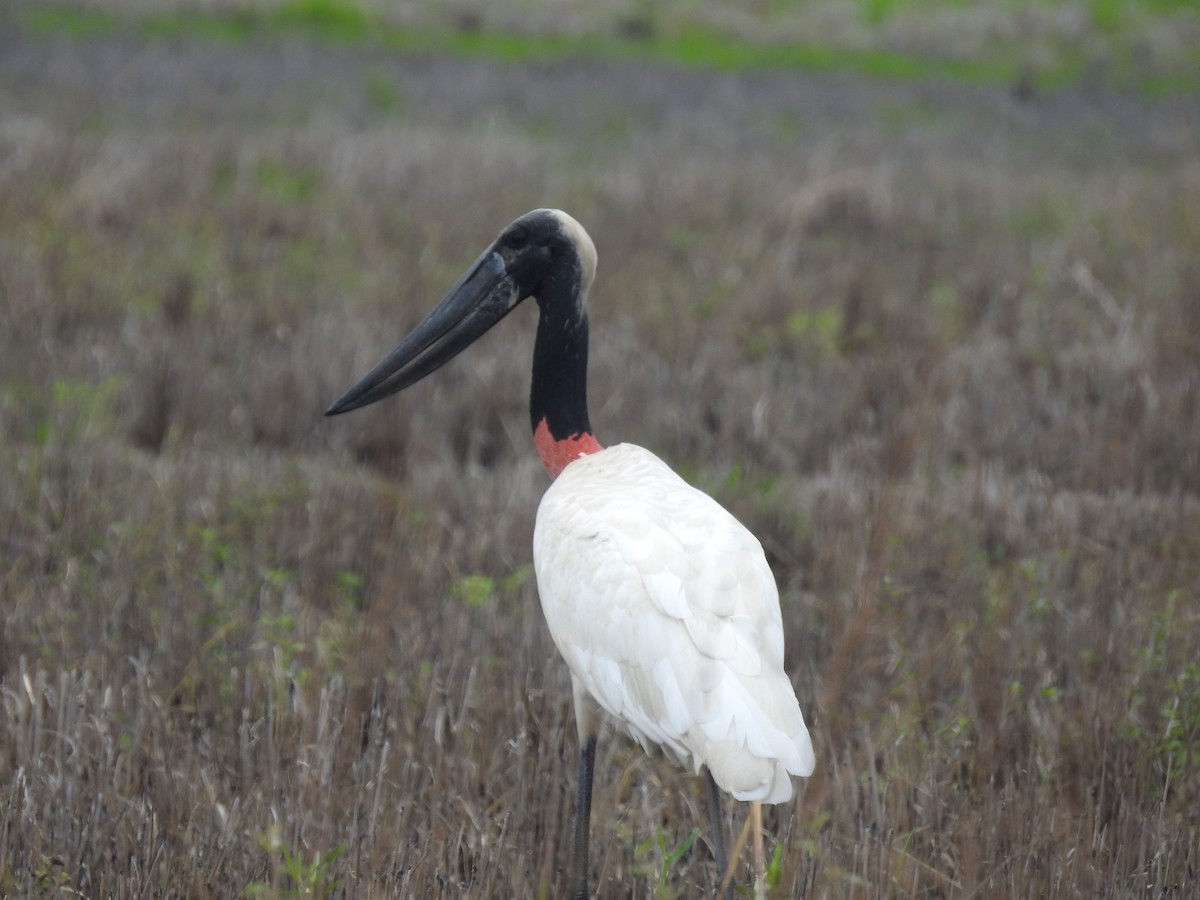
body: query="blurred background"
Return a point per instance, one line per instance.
(911, 286)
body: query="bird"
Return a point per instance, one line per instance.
(660, 601)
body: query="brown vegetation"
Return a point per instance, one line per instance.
(936, 345)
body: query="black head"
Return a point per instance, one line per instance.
(544, 254)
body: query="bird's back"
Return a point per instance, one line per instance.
(667, 614)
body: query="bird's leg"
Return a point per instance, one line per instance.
(716, 824)
(760, 871)
(583, 812)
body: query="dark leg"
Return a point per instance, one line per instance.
(717, 826)
(583, 813)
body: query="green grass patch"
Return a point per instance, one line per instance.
(338, 19)
(71, 22)
(383, 93)
(701, 47)
(286, 184)
(478, 590)
(234, 28)
(693, 46)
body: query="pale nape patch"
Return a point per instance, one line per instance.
(583, 243)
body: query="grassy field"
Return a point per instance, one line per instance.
(933, 338)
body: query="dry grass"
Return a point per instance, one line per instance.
(934, 344)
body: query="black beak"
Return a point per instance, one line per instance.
(480, 299)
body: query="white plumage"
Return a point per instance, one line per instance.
(664, 608)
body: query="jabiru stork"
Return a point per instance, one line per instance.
(659, 600)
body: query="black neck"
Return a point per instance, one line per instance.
(558, 393)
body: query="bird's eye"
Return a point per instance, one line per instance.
(518, 239)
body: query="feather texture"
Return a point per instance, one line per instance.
(667, 614)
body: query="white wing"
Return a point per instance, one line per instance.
(667, 614)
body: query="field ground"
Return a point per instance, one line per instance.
(932, 338)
